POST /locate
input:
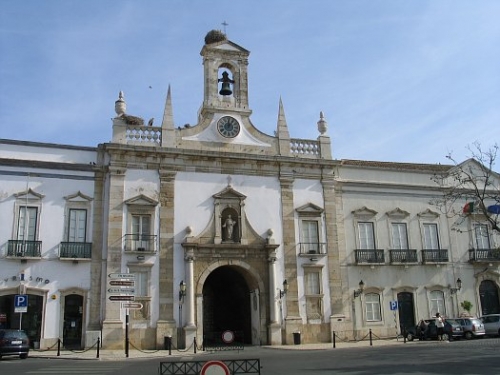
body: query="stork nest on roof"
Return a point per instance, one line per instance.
(132, 120)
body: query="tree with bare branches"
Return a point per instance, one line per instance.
(471, 188)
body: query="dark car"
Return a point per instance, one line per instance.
(14, 342)
(452, 330)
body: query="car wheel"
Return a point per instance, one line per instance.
(468, 335)
(445, 337)
(23, 356)
(410, 337)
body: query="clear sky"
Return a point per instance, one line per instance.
(397, 80)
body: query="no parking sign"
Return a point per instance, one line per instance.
(215, 368)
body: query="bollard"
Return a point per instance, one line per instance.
(58, 347)
(333, 339)
(194, 343)
(98, 344)
(371, 342)
(167, 344)
(404, 335)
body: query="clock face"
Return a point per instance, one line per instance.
(228, 127)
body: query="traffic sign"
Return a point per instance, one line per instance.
(121, 290)
(215, 368)
(122, 282)
(121, 275)
(393, 305)
(21, 303)
(132, 305)
(121, 298)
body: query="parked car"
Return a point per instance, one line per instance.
(14, 342)
(473, 327)
(491, 324)
(452, 330)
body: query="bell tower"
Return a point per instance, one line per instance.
(225, 75)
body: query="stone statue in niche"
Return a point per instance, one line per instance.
(228, 227)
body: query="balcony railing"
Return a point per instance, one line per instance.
(435, 256)
(484, 255)
(21, 249)
(81, 250)
(403, 256)
(140, 242)
(312, 248)
(370, 256)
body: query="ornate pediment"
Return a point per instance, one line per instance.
(428, 214)
(29, 194)
(398, 213)
(309, 209)
(78, 197)
(141, 200)
(229, 193)
(364, 212)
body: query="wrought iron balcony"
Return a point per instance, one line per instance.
(75, 250)
(484, 255)
(369, 256)
(435, 256)
(21, 249)
(403, 256)
(141, 242)
(312, 248)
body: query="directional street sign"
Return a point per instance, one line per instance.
(121, 298)
(121, 290)
(122, 282)
(121, 276)
(132, 305)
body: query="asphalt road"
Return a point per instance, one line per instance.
(462, 357)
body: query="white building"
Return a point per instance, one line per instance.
(227, 230)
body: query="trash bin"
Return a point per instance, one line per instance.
(296, 338)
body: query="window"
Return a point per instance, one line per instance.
(142, 290)
(77, 226)
(142, 283)
(313, 290)
(431, 239)
(437, 302)
(140, 224)
(399, 236)
(482, 236)
(27, 223)
(312, 281)
(310, 236)
(366, 235)
(372, 306)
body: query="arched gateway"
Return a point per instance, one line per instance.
(229, 299)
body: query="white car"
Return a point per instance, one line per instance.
(491, 324)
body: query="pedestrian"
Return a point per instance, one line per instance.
(439, 326)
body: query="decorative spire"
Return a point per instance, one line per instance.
(322, 124)
(120, 105)
(168, 115)
(282, 125)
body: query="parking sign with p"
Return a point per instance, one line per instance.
(21, 303)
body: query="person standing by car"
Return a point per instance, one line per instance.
(439, 326)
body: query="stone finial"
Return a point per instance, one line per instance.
(120, 105)
(322, 124)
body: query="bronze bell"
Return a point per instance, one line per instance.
(226, 84)
(225, 89)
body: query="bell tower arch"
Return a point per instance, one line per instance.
(225, 75)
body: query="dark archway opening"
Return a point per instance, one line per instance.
(72, 329)
(226, 306)
(488, 294)
(406, 310)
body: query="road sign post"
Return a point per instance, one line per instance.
(21, 306)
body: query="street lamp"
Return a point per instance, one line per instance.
(182, 291)
(358, 292)
(284, 290)
(459, 286)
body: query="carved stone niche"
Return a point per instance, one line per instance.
(229, 217)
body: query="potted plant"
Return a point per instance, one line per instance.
(467, 306)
